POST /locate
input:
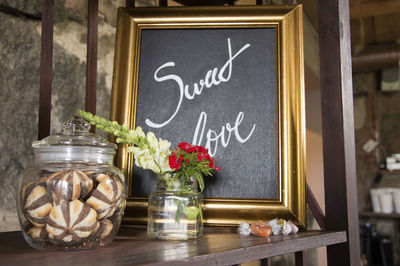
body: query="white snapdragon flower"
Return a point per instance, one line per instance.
(164, 145)
(153, 154)
(132, 137)
(153, 142)
(140, 132)
(162, 155)
(163, 163)
(145, 160)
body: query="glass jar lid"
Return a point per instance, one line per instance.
(74, 144)
(75, 133)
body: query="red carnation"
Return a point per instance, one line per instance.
(183, 145)
(173, 162)
(202, 150)
(191, 149)
(211, 163)
(217, 168)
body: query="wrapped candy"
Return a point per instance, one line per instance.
(244, 229)
(265, 229)
(261, 229)
(276, 227)
(286, 228)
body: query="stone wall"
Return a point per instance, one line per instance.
(19, 66)
(20, 28)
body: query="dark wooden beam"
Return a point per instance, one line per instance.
(91, 56)
(205, 2)
(374, 58)
(46, 67)
(373, 9)
(315, 208)
(299, 258)
(341, 209)
(265, 262)
(130, 3)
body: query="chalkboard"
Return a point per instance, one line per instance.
(215, 87)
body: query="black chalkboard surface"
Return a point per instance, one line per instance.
(216, 88)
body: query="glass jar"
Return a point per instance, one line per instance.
(72, 197)
(174, 210)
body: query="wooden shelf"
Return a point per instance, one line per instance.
(380, 215)
(218, 246)
(390, 172)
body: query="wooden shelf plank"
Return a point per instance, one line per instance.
(380, 215)
(390, 172)
(218, 246)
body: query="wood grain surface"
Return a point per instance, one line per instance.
(341, 210)
(46, 68)
(91, 57)
(218, 246)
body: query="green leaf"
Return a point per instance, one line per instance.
(108, 130)
(191, 212)
(201, 215)
(179, 211)
(200, 179)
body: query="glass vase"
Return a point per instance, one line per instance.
(174, 211)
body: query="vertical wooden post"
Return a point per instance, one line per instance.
(46, 68)
(130, 3)
(341, 209)
(265, 262)
(91, 56)
(299, 258)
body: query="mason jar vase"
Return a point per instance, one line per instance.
(175, 210)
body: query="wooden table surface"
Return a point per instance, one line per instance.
(218, 246)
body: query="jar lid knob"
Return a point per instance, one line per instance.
(75, 133)
(76, 125)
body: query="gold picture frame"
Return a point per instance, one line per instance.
(290, 202)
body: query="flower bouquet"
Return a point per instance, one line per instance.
(174, 210)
